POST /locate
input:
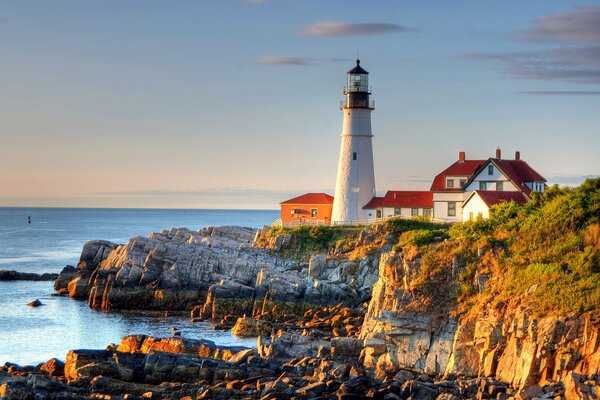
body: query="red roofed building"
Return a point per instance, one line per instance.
(478, 203)
(308, 209)
(398, 203)
(452, 186)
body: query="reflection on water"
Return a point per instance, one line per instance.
(31, 335)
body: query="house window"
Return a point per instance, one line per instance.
(462, 182)
(378, 213)
(397, 211)
(313, 212)
(471, 216)
(490, 169)
(499, 186)
(354, 156)
(482, 185)
(414, 212)
(449, 183)
(427, 212)
(451, 208)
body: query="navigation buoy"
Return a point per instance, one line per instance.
(28, 220)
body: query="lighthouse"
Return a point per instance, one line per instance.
(355, 185)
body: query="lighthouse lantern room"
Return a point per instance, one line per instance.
(355, 184)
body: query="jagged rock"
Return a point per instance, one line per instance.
(250, 327)
(316, 265)
(175, 269)
(345, 347)
(53, 367)
(78, 288)
(88, 363)
(65, 276)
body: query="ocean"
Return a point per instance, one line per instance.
(53, 239)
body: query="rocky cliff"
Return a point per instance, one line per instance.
(215, 270)
(402, 330)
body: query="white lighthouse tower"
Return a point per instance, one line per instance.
(355, 185)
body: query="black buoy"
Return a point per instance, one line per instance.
(28, 220)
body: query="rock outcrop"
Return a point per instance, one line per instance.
(215, 268)
(510, 345)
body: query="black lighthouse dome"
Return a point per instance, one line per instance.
(357, 88)
(358, 69)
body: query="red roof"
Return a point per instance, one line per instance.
(459, 168)
(376, 202)
(491, 197)
(401, 198)
(519, 172)
(310, 198)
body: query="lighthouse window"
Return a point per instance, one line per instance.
(354, 156)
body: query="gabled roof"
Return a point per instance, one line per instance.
(375, 202)
(491, 197)
(402, 198)
(310, 198)
(459, 168)
(517, 171)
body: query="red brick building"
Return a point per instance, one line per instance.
(308, 209)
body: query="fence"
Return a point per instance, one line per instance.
(294, 224)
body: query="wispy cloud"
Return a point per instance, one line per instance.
(581, 25)
(560, 93)
(298, 61)
(576, 62)
(339, 29)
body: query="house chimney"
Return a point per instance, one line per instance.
(394, 194)
(498, 153)
(461, 156)
(517, 155)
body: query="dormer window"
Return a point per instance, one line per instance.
(449, 183)
(490, 169)
(462, 182)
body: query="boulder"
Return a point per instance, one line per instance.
(53, 367)
(35, 303)
(250, 327)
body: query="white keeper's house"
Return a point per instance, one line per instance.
(468, 188)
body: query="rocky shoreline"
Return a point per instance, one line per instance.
(348, 322)
(26, 276)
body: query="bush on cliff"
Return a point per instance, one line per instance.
(544, 255)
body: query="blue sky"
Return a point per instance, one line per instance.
(236, 103)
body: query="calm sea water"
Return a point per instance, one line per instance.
(54, 239)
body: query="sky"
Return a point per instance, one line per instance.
(235, 103)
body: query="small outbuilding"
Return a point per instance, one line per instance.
(400, 203)
(308, 209)
(478, 203)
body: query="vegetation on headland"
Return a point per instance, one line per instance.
(544, 255)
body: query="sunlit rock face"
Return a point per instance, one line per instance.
(507, 344)
(217, 268)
